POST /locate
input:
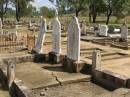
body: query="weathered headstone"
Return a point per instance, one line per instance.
(11, 73)
(103, 30)
(1, 27)
(30, 23)
(83, 31)
(56, 36)
(96, 60)
(73, 46)
(55, 55)
(124, 32)
(72, 62)
(41, 36)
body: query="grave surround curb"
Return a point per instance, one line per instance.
(109, 79)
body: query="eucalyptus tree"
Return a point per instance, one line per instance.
(118, 8)
(76, 5)
(96, 7)
(3, 8)
(21, 7)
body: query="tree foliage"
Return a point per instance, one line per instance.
(47, 12)
(3, 8)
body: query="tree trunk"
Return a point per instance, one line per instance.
(94, 17)
(17, 11)
(77, 13)
(90, 18)
(2, 17)
(17, 16)
(108, 17)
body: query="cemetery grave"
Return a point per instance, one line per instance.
(33, 74)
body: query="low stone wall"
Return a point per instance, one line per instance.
(18, 89)
(109, 79)
(26, 58)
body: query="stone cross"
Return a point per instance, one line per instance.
(96, 60)
(11, 73)
(1, 27)
(73, 45)
(124, 32)
(103, 30)
(56, 36)
(41, 36)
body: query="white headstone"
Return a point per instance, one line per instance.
(103, 30)
(96, 60)
(73, 46)
(30, 23)
(56, 12)
(1, 27)
(41, 36)
(56, 35)
(124, 32)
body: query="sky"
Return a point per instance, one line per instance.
(40, 3)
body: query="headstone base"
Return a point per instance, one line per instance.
(33, 51)
(72, 66)
(55, 58)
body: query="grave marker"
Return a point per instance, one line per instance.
(56, 36)
(55, 55)
(1, 27)
(96, 60)
(103, 30)
(41, 36)
(73, 46)
(11, 73)
(124, 32)
(72, 62)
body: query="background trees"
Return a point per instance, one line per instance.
(118, 8)
(90, 8)
(3, 7)
(20, 7)
(47, 12)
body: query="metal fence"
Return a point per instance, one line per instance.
(12, 43)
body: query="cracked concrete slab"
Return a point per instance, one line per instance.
(36, 75)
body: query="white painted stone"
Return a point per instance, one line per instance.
(16, 30)
(11, 73)
(41, 36)
(1, 27)
(124, 32)
(56, 36)
(73, 46)
(103, 30)
(96, 60)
